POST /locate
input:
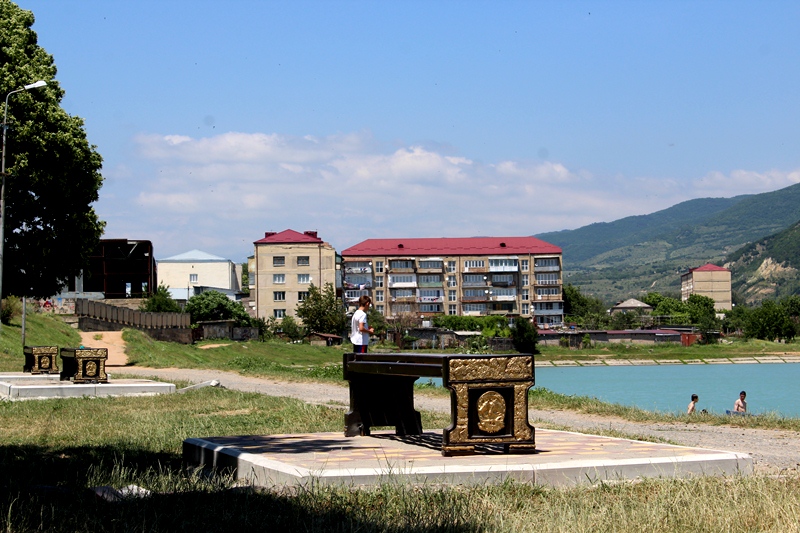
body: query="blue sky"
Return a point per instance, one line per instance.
(218, 121)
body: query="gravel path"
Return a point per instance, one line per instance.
(773, 451)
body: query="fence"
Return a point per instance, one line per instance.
(130, 317)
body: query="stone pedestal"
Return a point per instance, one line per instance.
(84, 365)
(40, 359)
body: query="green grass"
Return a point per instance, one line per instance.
(41, 329)
(54, 451)
(735, 348)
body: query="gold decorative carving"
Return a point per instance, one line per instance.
(493, 368)
(44, 362)
(491, 412)
(91, 368)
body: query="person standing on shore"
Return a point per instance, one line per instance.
(692, 405)
(740, 406)
(359, 329)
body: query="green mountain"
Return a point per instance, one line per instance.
(634, 255)
(767, 268)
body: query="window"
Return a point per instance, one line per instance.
(279, 296)
(302, 295)
(524, 279)
(475, 263)
(473, 307)
(358, 267)
(279, 278)
(279, 313)
(547, 291)
(547, 279)
(304, 278)
(278, 261)
(401, 308)
(401, 264)
(451, 266)
(378, 266)
(505, 262)
(452, 309)
(525, 295)
(550, 262)
(378, 296)
(379, 308)
(524, 265)
(430, 308)
(451, 281)
(503, 278)
(526, 309)
(403, 279)
(504, 291)
(402, 293)
(430, 279)
(352, 296)
(430, 295)
(192, 278)
(431, 265)
(379, 281)
(451, 296)
(475, 293)
(474, 279)
(302, 261)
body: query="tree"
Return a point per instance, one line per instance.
(524, 336)
(160, 302)
(213, 305)
(53, 173)
(245, 279)
(700, 308)
(292, 329)
(321, 311)
(769, 322)
(578, 305)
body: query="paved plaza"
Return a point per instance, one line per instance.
(562, 459)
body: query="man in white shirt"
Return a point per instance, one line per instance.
(359, 329)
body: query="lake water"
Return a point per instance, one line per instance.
(668, 388)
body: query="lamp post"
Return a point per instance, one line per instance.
(35, 85)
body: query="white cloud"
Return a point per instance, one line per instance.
(223, 192)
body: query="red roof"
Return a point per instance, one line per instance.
(709, 268)
(289, 236)
(452, 247)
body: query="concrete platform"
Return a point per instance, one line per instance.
(562, 459)
(24, 386)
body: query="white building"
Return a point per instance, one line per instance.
(196, 271)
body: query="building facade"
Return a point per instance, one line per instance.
(708, 280)
(515, 276)
(283, 268)
(195, 271)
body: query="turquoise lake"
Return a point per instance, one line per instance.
(668, 388)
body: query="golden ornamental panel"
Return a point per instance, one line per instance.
(491, 369)
(491, 412)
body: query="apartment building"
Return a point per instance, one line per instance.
(283, 268)
(515, 276)
(708, 280)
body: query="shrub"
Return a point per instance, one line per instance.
(12, 308)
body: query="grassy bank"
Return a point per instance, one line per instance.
(53, 452)
(40, 330)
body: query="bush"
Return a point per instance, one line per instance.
(524, 336)
(160, 302)
(12, 308)
(213, 305)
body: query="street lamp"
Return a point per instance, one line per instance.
(35, 85)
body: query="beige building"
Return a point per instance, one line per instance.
(515, 276)
(193, 272)
(283, 268)
(708, 280)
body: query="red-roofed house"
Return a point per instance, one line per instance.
(285, 264)
(708, 280)
(519, 276)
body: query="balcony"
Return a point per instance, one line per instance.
(431, 284)
(548, 297)
(554, 268)
(548, 312)
(504, 268)
(403, 299)
(358, 270)
(430, 299)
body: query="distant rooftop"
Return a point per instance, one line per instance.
(709, 268)
(289, 236)
(452, 246)
(193, 256)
